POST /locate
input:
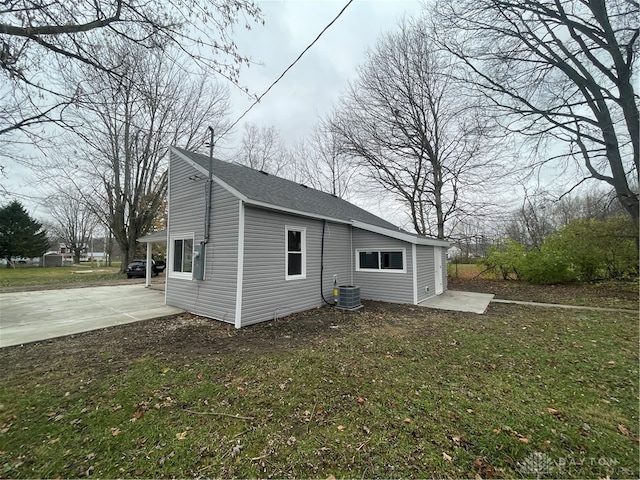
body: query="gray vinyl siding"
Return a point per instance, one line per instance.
(381, 285)
(425, 267)
(214, 297)
(266, 294)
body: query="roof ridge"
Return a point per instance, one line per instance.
(285, 193)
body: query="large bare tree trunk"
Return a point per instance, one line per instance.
(559, 72)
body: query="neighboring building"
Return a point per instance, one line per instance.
(275, 246)
(94, 250)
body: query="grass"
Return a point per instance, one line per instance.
(32, 276)
(393, 392)
(468, 270)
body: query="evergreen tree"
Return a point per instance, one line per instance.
(20, 235)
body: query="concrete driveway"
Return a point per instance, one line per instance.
(39, 315)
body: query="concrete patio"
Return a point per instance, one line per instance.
(459, 301)
(33, 316)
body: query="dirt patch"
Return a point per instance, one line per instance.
(190, 336)
(610, 294)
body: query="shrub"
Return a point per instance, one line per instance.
(506, 260)
(546, 266)
(597, 249)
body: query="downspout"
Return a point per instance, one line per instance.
(200, 252)
(324, 224)
(207, 214)
(351, 253)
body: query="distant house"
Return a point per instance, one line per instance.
(275, 246)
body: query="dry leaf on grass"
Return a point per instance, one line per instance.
(624, 430)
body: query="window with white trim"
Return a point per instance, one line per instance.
(381, 260)
(181, 256)
(295, 253)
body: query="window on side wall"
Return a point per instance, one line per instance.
(181, 257)
(381, 260)
(295, 253)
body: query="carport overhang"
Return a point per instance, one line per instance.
(154, 237)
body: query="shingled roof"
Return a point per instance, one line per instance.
(269, 191)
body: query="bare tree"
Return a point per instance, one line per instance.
(542, 213)
(73, 219)
(262, 148)
(323, 165)
(38, 38)
(404, 120)
(558, 71)
(124, 126)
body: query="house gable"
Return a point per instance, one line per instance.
(269, 192)
(247, 279)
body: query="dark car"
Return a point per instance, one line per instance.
(138, 268)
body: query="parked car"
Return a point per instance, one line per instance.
(138, 268)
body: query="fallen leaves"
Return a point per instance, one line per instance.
(115, 431)
(624, 430)
(181, 435)
(447, 458)
(521, 438)
(485, 469)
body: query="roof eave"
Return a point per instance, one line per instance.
(399, 235)
(292, 211)
(160, 236)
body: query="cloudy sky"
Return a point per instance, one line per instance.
(314, 84)
(308, 90)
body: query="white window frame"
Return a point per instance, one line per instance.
(172, 239)
(303, 248)
(381, 251)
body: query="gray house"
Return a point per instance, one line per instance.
(274, 247)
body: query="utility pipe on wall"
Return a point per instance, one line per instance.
(207, 214)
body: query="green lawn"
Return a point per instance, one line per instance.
(396, 391)
(31, 276)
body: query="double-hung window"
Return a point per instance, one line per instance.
(381, 260)
(295, 253)
(181, 256)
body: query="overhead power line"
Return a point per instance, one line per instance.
(287, 69)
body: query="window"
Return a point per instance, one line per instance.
(181, 254)
(295, 259)
(381, 260)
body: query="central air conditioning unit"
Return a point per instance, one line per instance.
(348, 297)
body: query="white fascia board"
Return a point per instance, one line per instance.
(204, 171)
(160, 236)
(291, 211)
(406, 237)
